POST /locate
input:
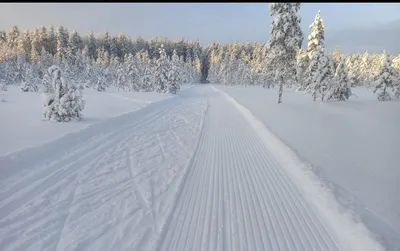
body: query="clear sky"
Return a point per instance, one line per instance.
(351, 26)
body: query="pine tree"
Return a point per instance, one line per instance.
(106, 42)
(174, 76)
(317, 36)
(386, 78)
(92, 46)
(285, 40)
(25, 42)
(74, 44)
(364, 69)
(122, 45)
(113, 47)
(336, 57)
(161, 72)
(30, 79)
(303, 61)
(12, 37)
(65, 103)
(196, 69)
(51, 46)
(42, 34)
(35, 46)
(148, 77)
(340, 89)
(62, 42)
(99, 75)
(323, 76)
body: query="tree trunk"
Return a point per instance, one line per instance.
(280, 89)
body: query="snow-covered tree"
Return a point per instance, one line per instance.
(285, 40)
(31, 79)
(336, 56)
(51, 45)
(303, 61)
(74, 44)
(99, 78)
(174, 74)
(65, 101)
(161, 72)
(92, 46)
(148, 77)
(340, 88)
(364, 69)
(317, 36)
(62, 42)
(386, 78)
(12, 37)
(322, 78)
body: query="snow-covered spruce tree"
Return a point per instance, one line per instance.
(31, 79)
(131, 72)
(174, 75)
(148, 77)
(100, 79)
(121, 78)
(65, 102)
(196, 69)
(340, 89)
(100, 73)
(323, 76)
(386, 78)
(161, 72)
(365, 70)
(303, 61)
(285, 40)
(317, 36)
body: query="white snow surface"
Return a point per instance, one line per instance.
(352, 146)
(196, 171)
(23, 124)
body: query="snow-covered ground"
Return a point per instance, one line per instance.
(196, 171)
(353, 145)
(23, 125)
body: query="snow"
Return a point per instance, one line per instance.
(24, 125)
(351, 145)
(196, 171)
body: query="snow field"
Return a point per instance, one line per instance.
(111, 192)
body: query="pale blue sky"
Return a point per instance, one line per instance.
(352, 26)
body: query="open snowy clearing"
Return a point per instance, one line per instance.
(193, 172)
(351, 145)
(24, 126)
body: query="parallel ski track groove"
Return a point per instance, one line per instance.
(236, 196)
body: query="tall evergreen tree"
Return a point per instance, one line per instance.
(12, 37)
(285, 40)
(317, 37)
(161, 72)
(340, 89)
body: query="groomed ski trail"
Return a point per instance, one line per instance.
(238, 197)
